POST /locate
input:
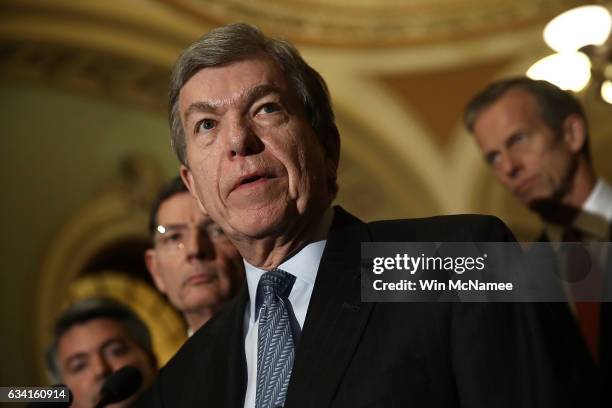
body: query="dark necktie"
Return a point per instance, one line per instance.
(587, 313)
(275, 342)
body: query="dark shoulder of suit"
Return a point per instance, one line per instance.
(540, 337)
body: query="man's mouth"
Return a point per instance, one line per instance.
(200, 278)
(523, 186)
(252, 179)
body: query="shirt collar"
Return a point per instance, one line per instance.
(594, 217)
(599, 201)
(304, 264)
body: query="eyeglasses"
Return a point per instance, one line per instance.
(175, 237)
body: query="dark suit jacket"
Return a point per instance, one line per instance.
(567, 332)
(354, 354)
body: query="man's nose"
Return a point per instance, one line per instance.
(199, 245)
(243, 139)
(101, 366)
(510, 165)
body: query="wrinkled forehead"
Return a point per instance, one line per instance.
(231, 84)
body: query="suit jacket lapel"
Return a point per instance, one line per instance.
(229, 361)
(335, 319)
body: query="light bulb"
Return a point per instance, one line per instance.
(606, 91)
(568, 70)
(578, 27)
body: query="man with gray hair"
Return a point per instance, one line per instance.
(92, 339)
(254, 130)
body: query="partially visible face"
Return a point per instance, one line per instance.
(255, 162)
(525, 155)
(89, 352)
(193, 262)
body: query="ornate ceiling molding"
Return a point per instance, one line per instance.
(93, 72)
(375, 23)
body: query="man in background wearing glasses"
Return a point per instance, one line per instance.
(192, 262)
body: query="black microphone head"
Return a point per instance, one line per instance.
(120, 385)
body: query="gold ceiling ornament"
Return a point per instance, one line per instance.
(374, 23)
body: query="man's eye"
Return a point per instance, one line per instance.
(77, 367)
(492, 159)
(270, 108)
(173, 237)
(206, 125)
(517, 139)
(215, 231)
(118, 350)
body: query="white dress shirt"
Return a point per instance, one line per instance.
(304, 266)
(594, 217)
(600, 200)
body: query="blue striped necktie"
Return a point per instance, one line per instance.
(275, 342)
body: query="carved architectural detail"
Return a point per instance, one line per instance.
(86, 71)
(366, 23)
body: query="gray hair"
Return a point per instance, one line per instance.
(96, 308)
(237, 42)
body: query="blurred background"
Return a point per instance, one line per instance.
(84, 139)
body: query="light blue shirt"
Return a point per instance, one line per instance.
(304, 266)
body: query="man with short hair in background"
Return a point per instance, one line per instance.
(192, 261)
(534, 137)
(92, 339)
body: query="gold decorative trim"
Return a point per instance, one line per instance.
(372, 23)
(93, 72)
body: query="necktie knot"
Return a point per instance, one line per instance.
(275, 282)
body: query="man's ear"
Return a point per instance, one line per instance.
(332, 153)
(332, 145)
(574, 132)
(187, 178)
(150, 261)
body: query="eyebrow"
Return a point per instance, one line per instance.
(513, 137)
(260, 91)
(114, 341)
(75, 357)
(177, 225)
(249, 96)
(173, 226)
(85, 354)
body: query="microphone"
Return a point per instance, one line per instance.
(120, 385)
